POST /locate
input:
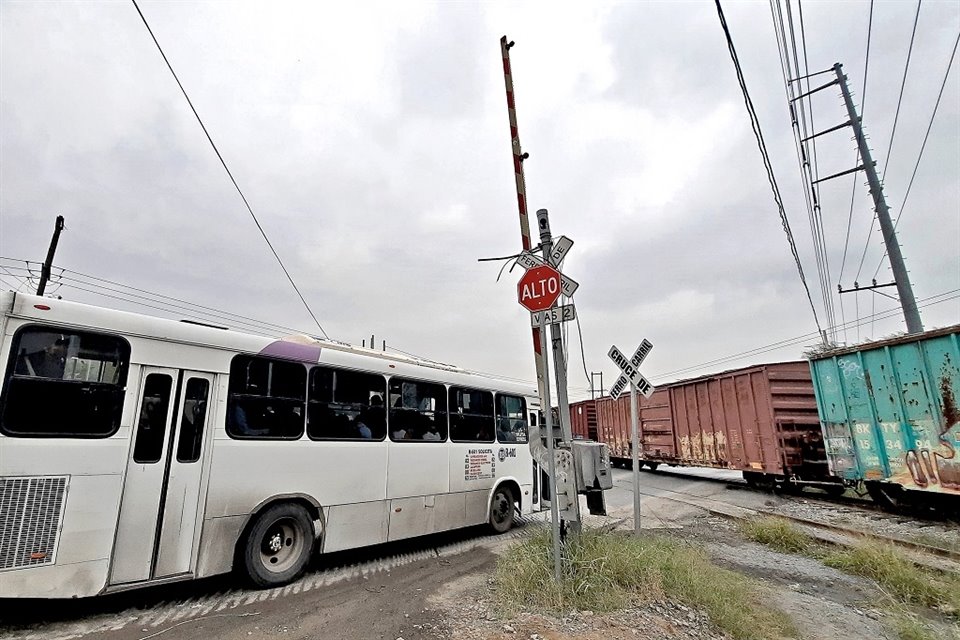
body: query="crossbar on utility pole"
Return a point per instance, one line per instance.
(842, 173)
(826, 131)
(900, 276)
(812, 91)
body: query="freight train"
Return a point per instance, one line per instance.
(880, 417)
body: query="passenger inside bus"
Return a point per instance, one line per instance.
(48, 362)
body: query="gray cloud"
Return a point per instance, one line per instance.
(372, 143)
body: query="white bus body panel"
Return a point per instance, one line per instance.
(365, 492)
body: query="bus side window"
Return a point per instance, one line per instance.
(193, 420)
(266, 398)
(418, 411)
(153, 418)
(511, 418)
(64, 383)
(346, 405)
(471, 415)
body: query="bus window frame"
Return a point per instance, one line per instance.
(446, 390)
(120, 386)
(384, 394)
(231, 403)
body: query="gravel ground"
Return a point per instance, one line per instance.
(470, 613)
(943, 534)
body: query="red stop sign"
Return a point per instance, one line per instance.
(539, 288)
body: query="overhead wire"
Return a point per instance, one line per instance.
(856, 161)
(923, 146)
(168, 304)
(812, 173)
(893, 132)
(229, 173)
(755, 125)
(803, 141)
(903, 84)
(946, 296)
(191, 310)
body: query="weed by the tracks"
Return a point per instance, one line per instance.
(904, 582)
(779, 534)
(608, 571)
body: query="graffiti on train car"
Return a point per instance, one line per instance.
(932, 463)
(707, 446)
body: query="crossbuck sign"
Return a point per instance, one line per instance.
(631, 370)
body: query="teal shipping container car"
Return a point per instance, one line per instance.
(889, 414)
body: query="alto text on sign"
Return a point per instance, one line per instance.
(539, 288)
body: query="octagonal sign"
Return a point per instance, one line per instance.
(539, 288)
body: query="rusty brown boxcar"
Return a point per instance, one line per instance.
(761, 420)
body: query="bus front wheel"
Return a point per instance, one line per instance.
(501, 510)
(278, 546)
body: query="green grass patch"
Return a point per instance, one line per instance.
(779, 534)
(905, 583)
(898, 576)
(909, 627)
(609, 571)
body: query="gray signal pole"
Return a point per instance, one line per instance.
(900, 276)
(560, 370)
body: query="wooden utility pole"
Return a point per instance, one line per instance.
(45, 272)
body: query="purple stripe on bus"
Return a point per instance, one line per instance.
(292, 351)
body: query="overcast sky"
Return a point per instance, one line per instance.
(372, 142)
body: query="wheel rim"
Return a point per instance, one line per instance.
(281, 546)
(501, 508)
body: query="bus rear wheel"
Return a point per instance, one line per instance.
(501, 510)
(278, 546)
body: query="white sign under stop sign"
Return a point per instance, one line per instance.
(553, 316)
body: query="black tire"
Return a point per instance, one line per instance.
(278, 546)
(501, 510)
(653, 465)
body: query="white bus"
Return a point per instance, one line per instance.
(136, 451)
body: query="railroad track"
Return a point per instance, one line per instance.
(737, 512)
(866, 504)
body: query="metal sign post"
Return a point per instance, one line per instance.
(551, 460)
(630, 374)
(635, 457)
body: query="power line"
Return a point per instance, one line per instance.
(893, 133)
(903, 84)
(790, 67)
(171, 304)
(809, 169)
(922, 146)
(881, 315)
(856, 161)
(755, 125)
(227, 169)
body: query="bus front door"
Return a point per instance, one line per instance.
(161, 507)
